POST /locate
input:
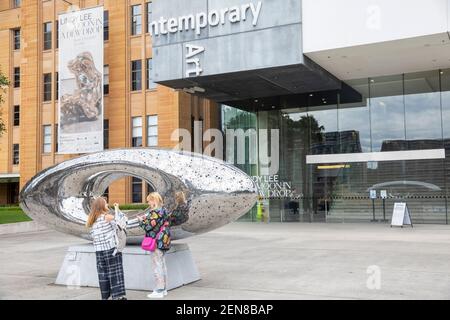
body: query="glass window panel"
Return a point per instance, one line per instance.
(16, 33)
(17, 77)
(106, 79)
(137, 122)
(153, 141)
(153, 131)
(47, 87)
(136, 132)
(47, 148)
(445, 87)
(354, 119)
(105, 25)
(56, 138)
(47, 36)
(136, 190)
(423, 110)
(150, 83)
(105, 134)
(387, 110)
(153, 120)
(136, 20)
(16, 115)
(323, 125)
(136, 75)
(16, 157)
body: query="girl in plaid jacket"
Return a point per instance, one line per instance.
(109, 265)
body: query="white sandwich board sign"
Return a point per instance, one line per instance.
(401, 215)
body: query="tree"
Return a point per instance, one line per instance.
(4, 83)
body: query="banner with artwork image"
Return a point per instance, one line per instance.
(81, 81)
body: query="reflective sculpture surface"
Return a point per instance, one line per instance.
(218, 193)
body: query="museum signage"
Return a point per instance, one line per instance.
(201, 20)
(220, 46)
(80, 96)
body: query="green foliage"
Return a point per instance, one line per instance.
(133, 207)
(4, 83)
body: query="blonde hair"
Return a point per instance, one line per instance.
(180, 197)
(155, 196)
(98, 208)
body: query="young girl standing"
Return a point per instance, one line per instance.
(109, 266)
(156, 225)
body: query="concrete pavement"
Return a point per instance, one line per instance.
(264, 261)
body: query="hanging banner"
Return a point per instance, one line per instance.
(81, 81)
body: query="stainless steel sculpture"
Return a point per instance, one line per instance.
(219, 193)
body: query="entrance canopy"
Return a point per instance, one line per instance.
(234, 50)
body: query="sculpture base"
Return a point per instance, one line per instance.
(79, 268)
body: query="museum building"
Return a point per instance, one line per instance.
(351, 101)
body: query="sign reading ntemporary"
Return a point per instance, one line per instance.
(81, 81)
(201, 20)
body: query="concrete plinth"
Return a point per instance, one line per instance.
(79, 268)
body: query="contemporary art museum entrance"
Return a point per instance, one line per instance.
(335, 151)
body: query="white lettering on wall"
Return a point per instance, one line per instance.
(201, 20)
(193, 67)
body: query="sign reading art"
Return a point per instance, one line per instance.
(81, 81)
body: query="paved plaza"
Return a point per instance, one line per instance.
(264, 262)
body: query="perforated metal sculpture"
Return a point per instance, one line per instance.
(218, 193)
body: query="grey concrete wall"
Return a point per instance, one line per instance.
(266, 48)
(276, 40)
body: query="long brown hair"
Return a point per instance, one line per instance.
(98, 208)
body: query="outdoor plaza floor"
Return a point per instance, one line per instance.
(264, 262)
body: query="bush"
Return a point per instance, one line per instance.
(133, 207)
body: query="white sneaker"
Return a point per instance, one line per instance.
(156, 295)
(165, 292)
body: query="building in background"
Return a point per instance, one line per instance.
(137, 111)
(357, 89)
(358, 93)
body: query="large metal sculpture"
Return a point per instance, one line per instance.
(218, 193)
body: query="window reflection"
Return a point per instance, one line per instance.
(391, 113)
(387, 111)
(354, 118)
(423, 109)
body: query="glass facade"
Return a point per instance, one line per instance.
(409, 112)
